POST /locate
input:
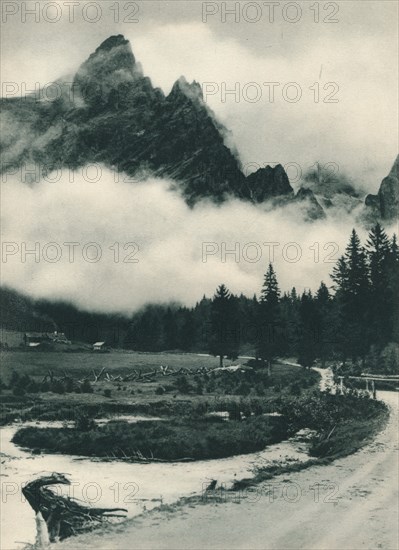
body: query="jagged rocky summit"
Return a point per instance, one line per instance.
(384, 206)
(112, 114)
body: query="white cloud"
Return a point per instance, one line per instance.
(170, 238)
(358, 132)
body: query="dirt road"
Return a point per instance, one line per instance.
(349, 504)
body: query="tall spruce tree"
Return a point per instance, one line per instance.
(308, 338)
(393, 275)
(325, 330)
(170, 332)
(290, 322)
(269, 321)
(224, 336)
(187, 331)
(352, 286)
(381, 300)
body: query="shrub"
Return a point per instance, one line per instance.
(322, 411)
(69, 385)
(33, 387)
(234, 411)
(18, 391)
(14, 379)
(260, 390)
(295, 389)
(84, 422)
(245, 407)
(243, 389)
(182, 384)
(390, 359)
(172, 440)
(210, 386)
(45, 386)
(57, 387)
(107, 393)
(86, 387)
(199, 388)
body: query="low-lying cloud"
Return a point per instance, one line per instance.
(136, 243)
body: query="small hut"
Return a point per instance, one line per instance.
(100, 347)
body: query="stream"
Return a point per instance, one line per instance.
(134, 486)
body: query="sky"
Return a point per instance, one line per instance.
(344, 54)
(349, 58)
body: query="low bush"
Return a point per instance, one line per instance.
(84, 422)
(168, 440)
(343, 422)
(86, 387)
(322, 411)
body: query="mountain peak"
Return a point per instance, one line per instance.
(115, 116)
(113, 42)
(111, 65)
(268, 183)
(385, 204)
(115, 53)
(394, 173)
(192, 91)
(311, 208)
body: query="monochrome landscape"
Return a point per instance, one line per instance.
(200, 275)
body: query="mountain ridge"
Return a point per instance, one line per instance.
(115, 116)
(384, 206)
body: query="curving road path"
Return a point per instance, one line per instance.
(351, 504)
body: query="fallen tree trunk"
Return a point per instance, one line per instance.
(64, 516)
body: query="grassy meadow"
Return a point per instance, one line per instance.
(203, 412)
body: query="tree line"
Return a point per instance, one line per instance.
(354, 320)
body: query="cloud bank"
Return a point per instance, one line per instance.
(175, 253)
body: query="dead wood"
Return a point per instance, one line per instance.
(64, 516)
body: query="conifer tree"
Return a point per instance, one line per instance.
(393, 276)
(325, 330)
(352, 286)
(269, 322)
(224, 325)
(381, 298)
(307, 345)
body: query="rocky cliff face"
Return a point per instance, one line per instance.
(332, 189)
(112, 114)
(268, 183)
(312, 210)
(384, 206)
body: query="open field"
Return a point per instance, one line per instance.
(185, 403)
(51, 386)
(137, 394)
(189, 394)
(81, 364)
